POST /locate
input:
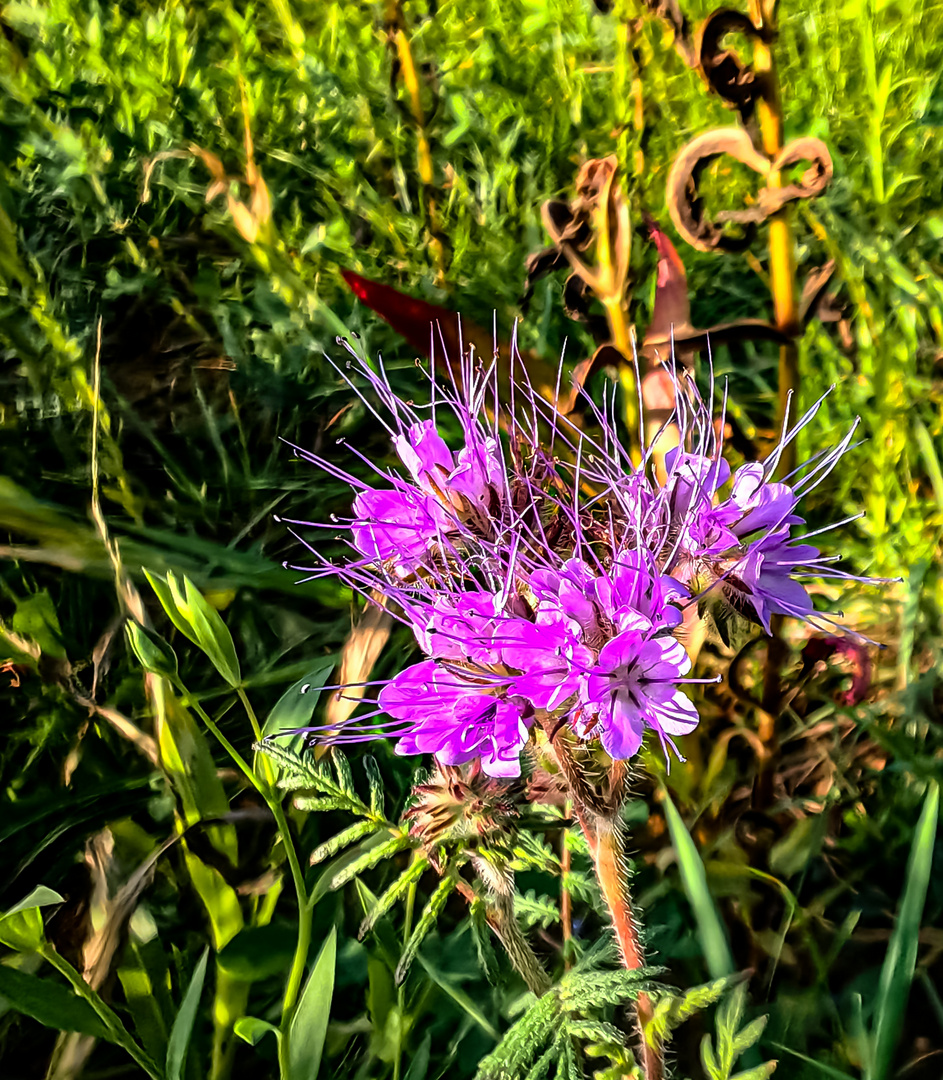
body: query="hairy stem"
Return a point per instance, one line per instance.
(504, 925)
(566, 897)
(608, 851)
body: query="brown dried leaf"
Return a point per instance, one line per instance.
(686, 208)
(361, 651)
(721, 67)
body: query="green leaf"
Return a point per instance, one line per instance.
(309, 1024)
(252, 1030)
(758, 1072)
(898, 970)
(399, 888)
(343, 839)
(21, 927)
(427, 921)
(458, 995)
(295, 708)
(257, 952)
(419, 1063)
(198, 621)
(213, 635)
(50, 1003)
(375, 780)
(182, 1029)
(152, 652)
(825, 1070)
(167, 602)
(219, 899)
(365, 856)
(36, 617)
(710, 929)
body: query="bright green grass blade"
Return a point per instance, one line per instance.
(898, 971)
(710, 929)
(180, 1033)
(309, 1023)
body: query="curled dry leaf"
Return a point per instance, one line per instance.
(596, 219)
(685, 205)
(723, 70)
(670, 333)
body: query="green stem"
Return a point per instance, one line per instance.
(265, 787)
(250, 712)
(117, 1032)
(237, 758)
(401, 991)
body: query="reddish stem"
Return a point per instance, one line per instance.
(604, 835)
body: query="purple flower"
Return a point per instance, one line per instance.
(456, 720)
(547, 578)
(397, 525)
(424, 453)
(633, 686)
(550, 660)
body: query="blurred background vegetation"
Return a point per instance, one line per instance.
(192, 178)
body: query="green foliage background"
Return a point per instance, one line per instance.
(212, 358)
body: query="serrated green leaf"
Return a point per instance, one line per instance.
(425, 925)
(758, 1072)
(481, 935)
(313, 804)
(399, 888)
(749, 1035)
(709, 1060)
(182, 1030)
(345, 778)
(343, 839)
(375, 782)
(372, 852)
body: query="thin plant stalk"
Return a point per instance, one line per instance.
(781, 244)
(600, 820)
(264, 786)
(608, 851)
(785, 308)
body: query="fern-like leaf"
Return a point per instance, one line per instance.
(427, 921)
(343, 839)
(386, 901)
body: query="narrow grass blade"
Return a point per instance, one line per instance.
(182, 1030)
(824, 1070)
(710, 929)
(900, 962)
(309, 1023)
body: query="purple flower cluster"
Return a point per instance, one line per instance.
(546, 577)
